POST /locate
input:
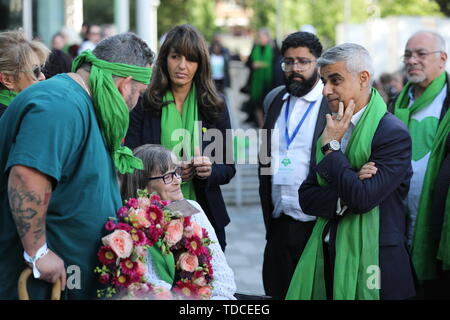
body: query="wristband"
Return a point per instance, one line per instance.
(39, 254)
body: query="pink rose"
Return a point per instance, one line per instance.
(197, 230)
(205, 292)
(162, 293)
(141, 268)
(143, 202)
(187, 262)
(120, 242)
(138, 218)
(174, 232)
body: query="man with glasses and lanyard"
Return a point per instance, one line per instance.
(294, 118)
(423, 106)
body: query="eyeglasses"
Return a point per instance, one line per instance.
(37, 71)
(287, 64)
(168, 177)
(419, 55)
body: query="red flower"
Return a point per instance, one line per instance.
(128, 267)
(133, 202)
(155, 199)
(139, 238)
(123, 226)
(110, 225)
(155, 214)
(122, 280)
(104, 278)
(187, 222)
(123, 212)
(194, 245)
(106, 255)
(186, 289)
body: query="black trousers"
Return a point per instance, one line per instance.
(284, 247)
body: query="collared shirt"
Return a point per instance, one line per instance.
(285, 198)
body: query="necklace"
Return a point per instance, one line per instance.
(83, 83)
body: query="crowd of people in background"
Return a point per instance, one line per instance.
(355, 197)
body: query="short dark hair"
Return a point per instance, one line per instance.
(302, 39)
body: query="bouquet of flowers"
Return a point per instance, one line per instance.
(145, 222)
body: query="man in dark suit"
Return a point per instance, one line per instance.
(294, 120)
(358, 189)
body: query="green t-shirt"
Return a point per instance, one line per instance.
(51, 127)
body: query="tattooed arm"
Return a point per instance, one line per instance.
(29, 193)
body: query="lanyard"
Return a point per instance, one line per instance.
(297, 129)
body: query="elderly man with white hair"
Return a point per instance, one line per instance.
(357, 190)
(423, 106)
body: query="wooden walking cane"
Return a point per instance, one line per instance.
(22, 286)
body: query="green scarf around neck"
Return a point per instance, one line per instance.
(261, 77)
(6, 96)
(424, 250)
(180, 133)
(401, 109)
(110, 107)
(357, 238)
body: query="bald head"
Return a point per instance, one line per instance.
(433, 37)
(425, 57)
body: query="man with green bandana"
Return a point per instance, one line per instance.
(60, 149)
(423, 106)
(357, 249)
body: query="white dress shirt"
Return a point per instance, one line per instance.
(285, 198)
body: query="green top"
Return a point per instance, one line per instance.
(357, 237)
(54, 129)
(262, 77)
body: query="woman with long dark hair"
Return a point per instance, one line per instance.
(180, 106)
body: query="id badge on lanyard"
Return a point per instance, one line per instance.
(288, 163)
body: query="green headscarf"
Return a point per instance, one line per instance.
(6, 96)
(171, 121)
(110, 107)
(425, 251)
(357, 238)
(261, 77)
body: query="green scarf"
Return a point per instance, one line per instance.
(172, 120)
(6, 96)
(110, 107)
(163, 262)
(424, 250)
(357, 238)
(261, 77)
(401, 109)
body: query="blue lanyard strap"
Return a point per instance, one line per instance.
(297, 129)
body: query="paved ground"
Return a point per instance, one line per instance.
(246, 232)
(244, 252)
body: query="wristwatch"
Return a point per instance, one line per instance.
(333, 145)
